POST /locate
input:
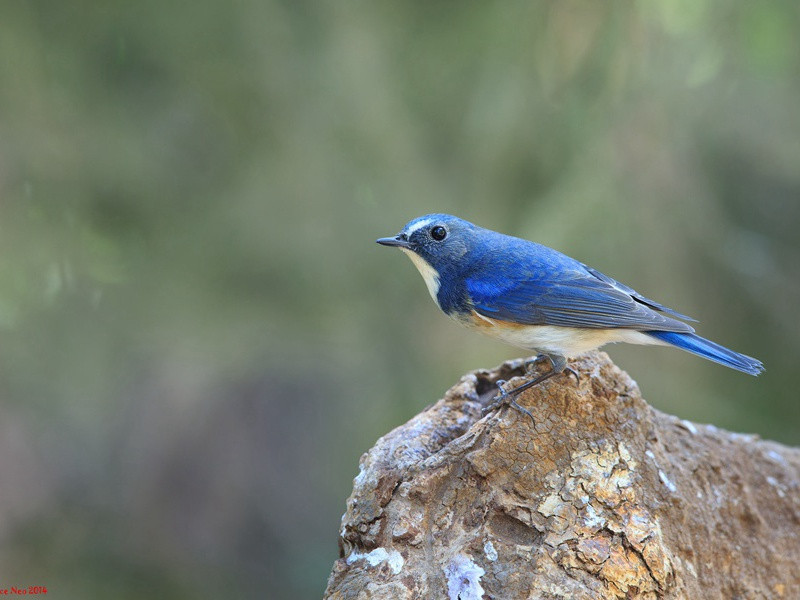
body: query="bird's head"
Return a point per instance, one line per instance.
(436, 244)
(441, 240)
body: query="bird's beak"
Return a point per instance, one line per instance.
(399, 240)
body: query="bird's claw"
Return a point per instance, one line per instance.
(572, 372)
(505, 398)
(522, 409)
(501, 399)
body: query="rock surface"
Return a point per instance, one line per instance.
(603, 497)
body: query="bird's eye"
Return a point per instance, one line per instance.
(438, 233)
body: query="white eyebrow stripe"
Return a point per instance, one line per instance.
(419, 225)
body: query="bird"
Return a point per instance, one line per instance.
(534, 297)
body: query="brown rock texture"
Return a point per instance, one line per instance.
(603, 497)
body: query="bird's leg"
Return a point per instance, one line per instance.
(558, 364)
(507, 398)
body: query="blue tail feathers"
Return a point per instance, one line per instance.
(710, 350)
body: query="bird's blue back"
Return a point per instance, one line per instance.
(519, 281)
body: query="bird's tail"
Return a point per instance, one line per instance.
(710, 350)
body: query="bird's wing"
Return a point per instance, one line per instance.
(577, 298)
(637, 296)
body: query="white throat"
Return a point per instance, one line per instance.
(429, 274)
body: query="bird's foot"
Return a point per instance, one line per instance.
(558, 364)
(506, 398)
(502, 399)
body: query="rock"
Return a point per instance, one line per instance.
(600, 497)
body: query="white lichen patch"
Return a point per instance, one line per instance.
(640, 526)
(691, 569)
(625, 455)
(666, 481)
(392, 558)
(361, 477)
(464, 579)
(554, 480)
(489, 551)
(778, 487)
(591, 519)
(550, 505)
(776, 457)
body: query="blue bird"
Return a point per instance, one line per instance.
(537, 298)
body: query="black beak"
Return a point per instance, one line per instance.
(399, 240)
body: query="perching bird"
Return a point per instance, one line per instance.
(536, 298)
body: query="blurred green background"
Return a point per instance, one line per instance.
(198, 334)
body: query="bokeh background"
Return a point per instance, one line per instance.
(198, 334)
